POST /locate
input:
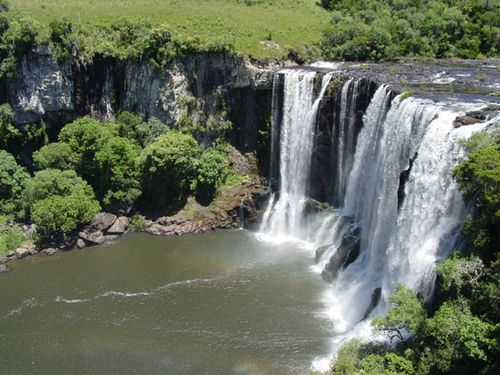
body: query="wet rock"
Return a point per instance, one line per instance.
(50, 251)
(465, 120)
(312, 206)
(374, 300)
(327, 275)
(119, 226)
(474, 117)
(3, 260)
(80, 243)
(346, 253)
(320, 251)
(102, 221)
(95, 238)
(11, 254)
(3, 268)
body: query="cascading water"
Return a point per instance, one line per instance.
(398, 209)
(296, 143)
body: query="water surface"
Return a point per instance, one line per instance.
(218, 303)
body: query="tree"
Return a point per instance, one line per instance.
(168, 167)
(118, 162)
(59, 215)
(479, 178)
(85, 137)
(59, 202)
(12, 179)
(457, 340)
(407, 314)
(48, 182)
(55, 155)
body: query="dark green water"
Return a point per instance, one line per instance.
(218, 303)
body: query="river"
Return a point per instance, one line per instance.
(217, 303)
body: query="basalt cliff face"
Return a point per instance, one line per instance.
(200, 86)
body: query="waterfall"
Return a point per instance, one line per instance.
(296, 133)
(397, 207)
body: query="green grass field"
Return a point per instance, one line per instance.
(266, 29)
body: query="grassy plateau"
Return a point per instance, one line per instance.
(257, 28)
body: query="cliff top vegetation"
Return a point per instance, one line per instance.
(256, 28)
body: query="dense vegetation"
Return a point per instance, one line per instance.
(394, 29)
(461, 332)
(357, 30)
(128, 165)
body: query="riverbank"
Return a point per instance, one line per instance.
(237, 204)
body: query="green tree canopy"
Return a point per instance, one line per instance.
(12, 179)
(168, 167)
(55, 155)
(118, 162)
(59, 201)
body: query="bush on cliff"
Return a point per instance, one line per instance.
(8, 130)
(211, 171)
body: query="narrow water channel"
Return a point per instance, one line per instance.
(217, 303)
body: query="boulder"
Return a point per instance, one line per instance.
(3, 260)
(3, 268)
(80, 243)
(102, 221)
(11, 254)
(25, 250)
(320, 251)
(95, 238)
(50, 251)
(119, 226)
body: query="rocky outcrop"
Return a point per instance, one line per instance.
(474, 117)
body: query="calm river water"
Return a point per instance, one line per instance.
(217, 303)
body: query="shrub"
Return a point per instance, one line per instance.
(211, 171)
(137, 223)
(10, 239)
